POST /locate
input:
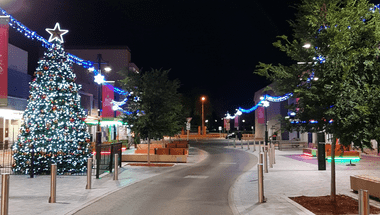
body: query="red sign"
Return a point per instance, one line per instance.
(260, 115)
(237, 122)
(4, 29)
(108, 96)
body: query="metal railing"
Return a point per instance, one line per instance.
(105, 154)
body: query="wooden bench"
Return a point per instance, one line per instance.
(366, 182)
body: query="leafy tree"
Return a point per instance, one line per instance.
(338, 86)
(154, 105)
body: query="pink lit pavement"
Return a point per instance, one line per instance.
(295, 175)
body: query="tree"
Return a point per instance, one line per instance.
(338, 86)
(54, 130)
(154, 106)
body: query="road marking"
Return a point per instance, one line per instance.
(197, 176)
(228, 163)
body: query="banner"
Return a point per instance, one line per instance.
(4, 29)
(107, 96)
(236, 122)
(260, 115)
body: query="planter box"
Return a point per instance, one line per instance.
(181, 145)
(176, 151)
(163, 151)
(144, 151)
(365, 182)
(171, 145)
(155, 158)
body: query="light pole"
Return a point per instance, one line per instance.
(100, 80)
(265, 105)
(203, 117)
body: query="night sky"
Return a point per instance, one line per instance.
(212, 47)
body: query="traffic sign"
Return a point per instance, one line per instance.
(188, 126)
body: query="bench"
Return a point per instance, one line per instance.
(291, 144)
(366, 182)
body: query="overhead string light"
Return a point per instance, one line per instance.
(46, 44)
(267, 98)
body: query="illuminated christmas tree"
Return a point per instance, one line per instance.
(53, 127)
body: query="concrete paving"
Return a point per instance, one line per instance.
(292, 175)
(295, 175)
(31, 195)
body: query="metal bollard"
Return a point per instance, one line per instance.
(274, 155)
(248, 144)
(53, 183)
(241, 144)
(363, 202)
(254, 146)
(89, 173)
(270, 156)
(116, 172)
(259, 147)
(235, 143)
(261, 179)
(265, 161)
(4, 193)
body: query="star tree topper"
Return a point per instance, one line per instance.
(56, 33)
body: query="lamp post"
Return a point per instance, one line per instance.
(203, 117)
(265, 105)
(100, 80)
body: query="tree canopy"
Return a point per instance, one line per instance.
(154, 105)
(338, 82)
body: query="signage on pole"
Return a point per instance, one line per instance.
(188, 119)
(4, 29)
(188, 125)
(107, 96)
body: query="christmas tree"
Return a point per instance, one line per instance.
(53, 128)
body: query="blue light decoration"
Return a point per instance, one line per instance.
(46, 44)
(267, 98)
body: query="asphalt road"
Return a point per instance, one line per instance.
(202, 188)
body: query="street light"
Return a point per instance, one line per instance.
(100, 80)
(266, 104)
(203, 116)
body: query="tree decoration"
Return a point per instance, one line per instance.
(53, 142)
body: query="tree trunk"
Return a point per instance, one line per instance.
(148, 150)
(333, 185)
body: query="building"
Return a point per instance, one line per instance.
(275, 112)
(119, 59)
(16, 87)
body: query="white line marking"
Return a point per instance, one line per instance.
(228, 163)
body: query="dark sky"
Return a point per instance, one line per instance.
(211, 46)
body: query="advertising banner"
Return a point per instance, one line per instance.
(4, 29)
(260, 115)
(236, 125)
(107, 96)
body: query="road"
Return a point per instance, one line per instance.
(202, 188)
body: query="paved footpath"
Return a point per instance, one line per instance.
(295, 175)
(31, 195)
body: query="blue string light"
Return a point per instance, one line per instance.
(267, 98)
(46, 44)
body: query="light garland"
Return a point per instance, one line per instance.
(267, 98)
(45, 43)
